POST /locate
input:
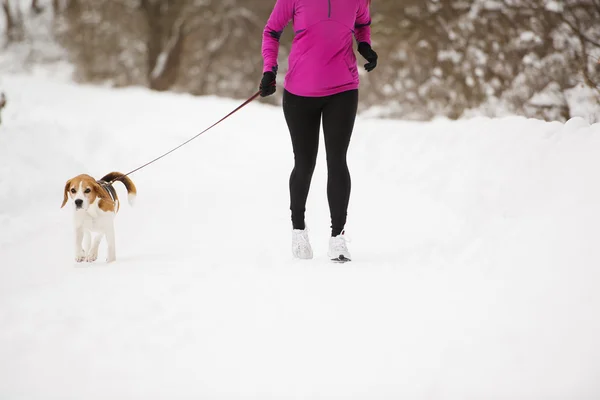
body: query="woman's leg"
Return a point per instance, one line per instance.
(339, 115)
(303, 117)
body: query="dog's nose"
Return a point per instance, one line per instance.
(78, 202)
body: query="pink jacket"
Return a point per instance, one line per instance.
(322, 60)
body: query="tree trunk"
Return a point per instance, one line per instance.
(35, 7)
(73, 6)
(164, 44)
(14, 22)
(155, 34)
(166, 67)
(10, 22)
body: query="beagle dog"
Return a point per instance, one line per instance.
(95, 206)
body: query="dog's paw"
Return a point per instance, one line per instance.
(80, 258)
(91, 257)
(110, 259)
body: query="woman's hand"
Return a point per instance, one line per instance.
(267, 84)
(369, 54)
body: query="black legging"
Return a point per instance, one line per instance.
(303, 117)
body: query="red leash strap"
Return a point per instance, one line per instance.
(245, 103)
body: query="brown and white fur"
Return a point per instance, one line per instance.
(94, 212)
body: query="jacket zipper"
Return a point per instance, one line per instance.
(329, 9)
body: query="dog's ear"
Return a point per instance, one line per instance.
(66, 193)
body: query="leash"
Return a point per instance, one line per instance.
(245, 103)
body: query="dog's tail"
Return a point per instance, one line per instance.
(117, 176)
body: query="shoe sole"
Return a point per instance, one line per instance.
(340, 259)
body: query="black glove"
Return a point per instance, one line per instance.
(369, 54)
(267, 84)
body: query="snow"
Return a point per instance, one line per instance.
(529, 36)
(583, 101)
(549, 96)
(38, 53)
(161, 63)
(475, 247)
(557, 6)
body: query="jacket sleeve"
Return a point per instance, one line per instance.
(280, 16)
(362, 26)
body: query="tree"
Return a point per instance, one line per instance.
(13, 20)
(437, 57)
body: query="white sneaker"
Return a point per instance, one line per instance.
(300, 244)
(337, 249)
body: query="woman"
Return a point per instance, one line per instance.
(321, 82)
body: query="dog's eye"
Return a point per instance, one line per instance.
(73, 190)
(87, 190)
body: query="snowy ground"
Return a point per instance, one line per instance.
(475, 244)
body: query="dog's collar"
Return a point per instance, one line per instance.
(109, 188)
